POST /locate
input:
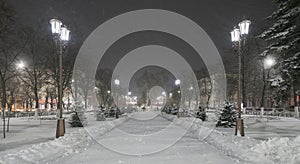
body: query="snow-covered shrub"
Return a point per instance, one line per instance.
(78, 118)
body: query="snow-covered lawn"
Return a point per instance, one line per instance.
(26, 131)
(33, 141)
(268, 127)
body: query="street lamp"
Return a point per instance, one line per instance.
(244, 27)
(117, 81)
(20, 65)
(269, 62)
(61, 37)
(177, 82)
(237, 34)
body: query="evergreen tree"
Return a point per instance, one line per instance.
(78, 118)
(284, 43)
(201, 114)
(227, 117)
(100, 114)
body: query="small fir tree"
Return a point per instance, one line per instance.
(78, 118)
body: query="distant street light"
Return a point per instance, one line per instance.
(108, 91)
(177, 82)
(117, 82)
(237, 34)
(20, 65)
(129, 93)
(269, 62)
(61, 37)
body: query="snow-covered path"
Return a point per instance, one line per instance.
(147, 141)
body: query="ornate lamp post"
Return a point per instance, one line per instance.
(61, 37)
(237, 34)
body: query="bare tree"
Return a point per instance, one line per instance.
(34, 74)
(103, 78)
(85, 85)
(12, 42)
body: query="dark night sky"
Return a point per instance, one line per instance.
(216, 17)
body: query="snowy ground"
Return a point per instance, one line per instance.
(266, 127)
(26, 131)
(140, 141)
(144, 137)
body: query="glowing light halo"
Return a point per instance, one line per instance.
(172, 23)
(110, 31)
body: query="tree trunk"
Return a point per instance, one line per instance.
(30, 103)
(58, 102)
(85, 102)
(3, 104)
(263, 89)
(197, 100)
(36, 97)
(294, 93)
(8, 117)
(46, 99)
(51, 101)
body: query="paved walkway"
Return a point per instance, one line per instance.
(146, 138)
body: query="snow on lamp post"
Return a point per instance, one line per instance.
(244, 27)
(61, 37)
(237, 34)
(64, 34)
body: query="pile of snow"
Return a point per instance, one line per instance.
(281, 150)
(211, 117)
(239, 148)
(73, 142)
(245, 149)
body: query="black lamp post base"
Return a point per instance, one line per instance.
(240, 127)
(60, 129)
